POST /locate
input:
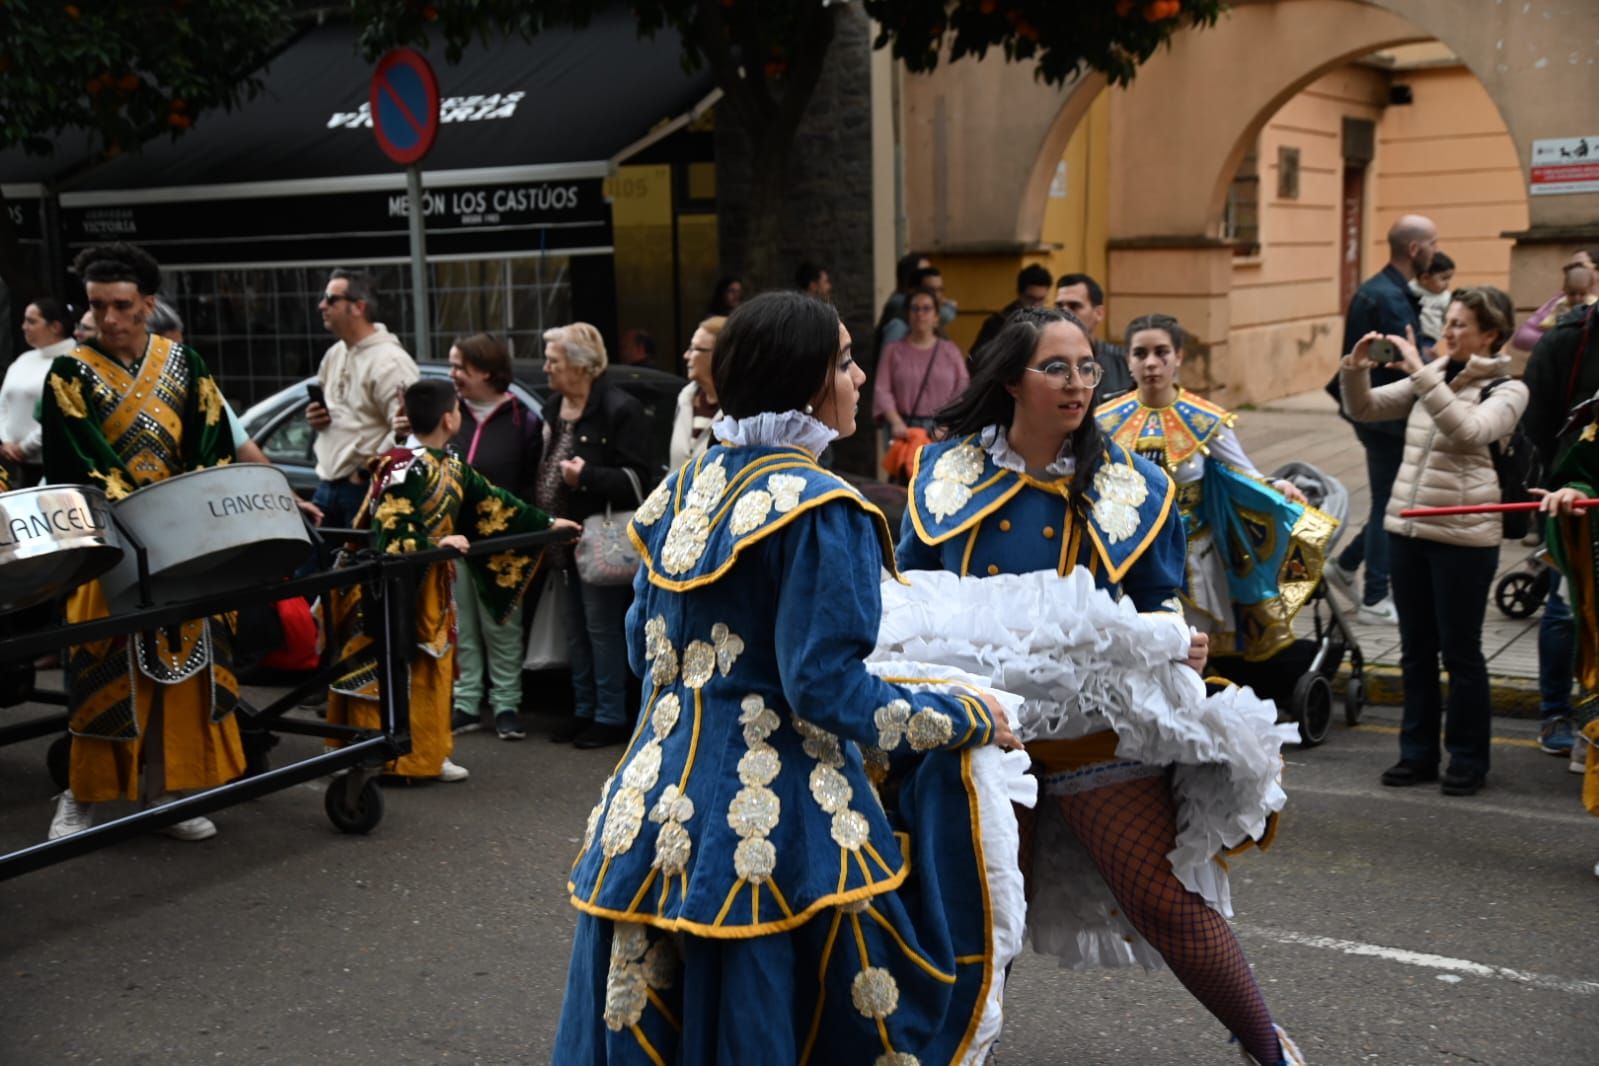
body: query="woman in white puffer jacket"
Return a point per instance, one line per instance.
(1443, 567)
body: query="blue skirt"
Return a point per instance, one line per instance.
(895, 980)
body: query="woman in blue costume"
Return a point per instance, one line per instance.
(1025, 482)
(1256, 549)
(745, 897)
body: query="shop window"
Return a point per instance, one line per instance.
(1287, 173)
(259, 329)
(1241, 216)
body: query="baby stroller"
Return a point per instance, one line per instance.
(1300, 677)
(1520, 592)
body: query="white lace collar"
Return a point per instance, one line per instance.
(994, 440)
(775, 429)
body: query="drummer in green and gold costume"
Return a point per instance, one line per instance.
(126, 410)
(1255, 547)
(1573, 538)
(423, 498)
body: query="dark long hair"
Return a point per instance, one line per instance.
(1002, 362)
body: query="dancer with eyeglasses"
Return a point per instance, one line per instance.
(1255, 547)
(1066, 527)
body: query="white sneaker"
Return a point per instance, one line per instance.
(1344, 581)
(70, 817)
(1381, 613)
(1579, 755)
(196, 828)
(452, 772)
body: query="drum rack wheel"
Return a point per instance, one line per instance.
(1311, 707)
(1519, 594)
(361, 816)
(58, 760)
(1354, 700)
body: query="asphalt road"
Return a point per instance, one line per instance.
(1386, 927)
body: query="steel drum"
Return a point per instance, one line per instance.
(53, 538)
(210, 531)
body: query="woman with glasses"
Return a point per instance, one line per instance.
(919, 374)
(696, 404)
(1246, 596)
(1025, 485)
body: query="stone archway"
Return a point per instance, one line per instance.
(981, 139)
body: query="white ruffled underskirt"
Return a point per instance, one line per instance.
(1083, 662)
(1000, 779)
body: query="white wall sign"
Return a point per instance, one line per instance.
(1565, 165)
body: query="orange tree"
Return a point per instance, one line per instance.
(123, 72)
(135, 69)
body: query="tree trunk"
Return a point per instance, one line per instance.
(769, 195)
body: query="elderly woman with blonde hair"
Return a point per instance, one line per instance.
(595, 456)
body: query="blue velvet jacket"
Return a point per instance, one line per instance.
(741, 806)
(969, 515)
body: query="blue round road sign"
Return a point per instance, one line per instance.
(405, 105)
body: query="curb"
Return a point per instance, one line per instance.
(1509, 696)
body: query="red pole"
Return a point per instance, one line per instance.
(1487, 508)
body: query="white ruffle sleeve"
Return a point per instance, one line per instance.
(1083, 662)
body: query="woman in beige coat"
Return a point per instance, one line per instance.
(1443, 567)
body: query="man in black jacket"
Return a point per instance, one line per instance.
(1384, 304)
(1033, 289)
(1563, 371)
(1083, 297)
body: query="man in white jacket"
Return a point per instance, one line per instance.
(362, 377)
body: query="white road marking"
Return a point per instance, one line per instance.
(1448, 965)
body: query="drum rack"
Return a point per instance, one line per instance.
(353, 802)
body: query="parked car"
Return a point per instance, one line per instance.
(278, 423)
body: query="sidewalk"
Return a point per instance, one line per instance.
(1306, 428)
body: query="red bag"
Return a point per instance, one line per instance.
(298, 652)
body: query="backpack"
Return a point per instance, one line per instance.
(1516, 466)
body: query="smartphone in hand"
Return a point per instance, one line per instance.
(314, 391)
(1384, 351)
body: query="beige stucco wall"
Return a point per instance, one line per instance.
(1271, 69)
(1284, 314)
(1448, 156)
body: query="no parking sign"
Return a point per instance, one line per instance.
(405, 117)
(405, 105)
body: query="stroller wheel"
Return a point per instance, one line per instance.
(1354, 700)
(1518, 594)
(1311, 706)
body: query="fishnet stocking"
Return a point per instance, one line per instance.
(1128, 829)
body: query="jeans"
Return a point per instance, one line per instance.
(1441, 593)
(340, 502)
(1371, 546)
(480, 637)
(596, 641)
(1557, 648)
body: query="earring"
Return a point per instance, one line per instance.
(809, 409)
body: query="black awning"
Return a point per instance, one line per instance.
(529, 130)
(566, 96)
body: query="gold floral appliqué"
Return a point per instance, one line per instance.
(69, 396)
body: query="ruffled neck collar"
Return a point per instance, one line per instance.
(995, 441)
(775, 429)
